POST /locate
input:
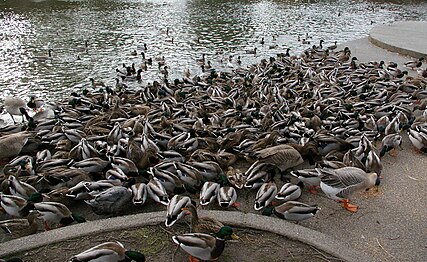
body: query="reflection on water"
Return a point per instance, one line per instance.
(179, 30)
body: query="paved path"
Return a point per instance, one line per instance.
(406, 37)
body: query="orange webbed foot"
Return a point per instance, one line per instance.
(350, 207)
(193, 259)
(313, 190)
(235, 204)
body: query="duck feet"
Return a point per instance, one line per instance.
(348, 206)
(393, 152)
(193, 259)
(313, 190)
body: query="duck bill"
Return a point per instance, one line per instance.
(234, 236)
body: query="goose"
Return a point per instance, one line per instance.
(108, 252)
(339, 184)
(16, 106)
(282, 156)
(44, 57)
(203, 246)
(112, 201)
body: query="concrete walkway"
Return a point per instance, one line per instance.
(406, 38)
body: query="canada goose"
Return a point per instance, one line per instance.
(44, 57)
(16, 106)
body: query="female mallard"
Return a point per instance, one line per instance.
(339, 184)
(55, 212)
(174, 211)
(22, 226)
(265, 195)
(293, 211)
(108, 252)
(203, 246)
(202, 224)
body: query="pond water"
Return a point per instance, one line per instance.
(179, 30)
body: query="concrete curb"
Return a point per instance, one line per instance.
(249, 220)
(406, 38)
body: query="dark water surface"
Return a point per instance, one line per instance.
(219, 29)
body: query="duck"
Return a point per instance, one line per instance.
(17, 206)
(418, 138)
(204, 246)
(21, 226)
(112, 201)
(108, 252)
(209, 192)
(16, 106)
(55, 212)
(174, 209)
(19, 188)
(35, 103)
(309, 177)
(140, 194)
(293, 211)
(251, 51)
(265, 195)
(207, 225)
(157, 192)
(389, 142)
(339, 184)
(414, 63)
(227, 197)
(290, 192)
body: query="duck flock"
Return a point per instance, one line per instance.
(201, 139)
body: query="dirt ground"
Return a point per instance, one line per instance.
(156, 243)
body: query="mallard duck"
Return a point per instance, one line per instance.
(22, 226)
(339, 184)
(174, 210)
(227, 197)
(203, 246)
(139, 192)
(265, 195)
(293, 211)
(418, 139)
(309, 177)
(113, 201)
(35, 103)
(289, 192)
(209, 192)
(202, 224)
(108, 252)
(389, 142)
(157, 192)
(235, 177)
(54, 212)
(19, 188)
(17, 206)
(414, 63)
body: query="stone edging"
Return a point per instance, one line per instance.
(292, 231)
